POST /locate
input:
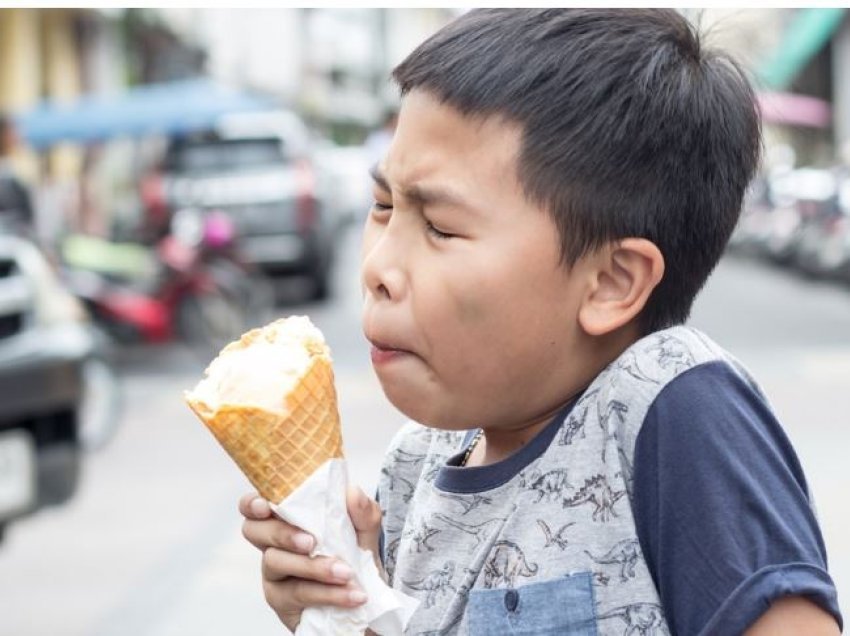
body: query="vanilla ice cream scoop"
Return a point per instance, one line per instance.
(263, 367)
(269, 398)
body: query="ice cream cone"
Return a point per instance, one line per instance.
(279, 441)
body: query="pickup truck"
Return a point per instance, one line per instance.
(259, 170)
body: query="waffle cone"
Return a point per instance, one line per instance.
(278, 451)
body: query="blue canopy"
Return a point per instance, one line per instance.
(169, 109)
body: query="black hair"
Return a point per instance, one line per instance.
(630, 128)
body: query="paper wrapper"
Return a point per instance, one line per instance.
(318, 506)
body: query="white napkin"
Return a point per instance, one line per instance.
(318, 506)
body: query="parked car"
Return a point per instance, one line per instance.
(755, 219)
(799, 218)
(349, 186)
(257, 169)
(792, 196)
(58, 394)
(817, 204)
(835, 253)
(824, 247)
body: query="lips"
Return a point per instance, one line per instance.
(383, 356)
(382, 352)
(388, 339)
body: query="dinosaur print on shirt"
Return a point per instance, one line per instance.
(506, 564)
(563, 517)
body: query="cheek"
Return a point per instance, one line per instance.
(370, 237)
(471, 309)
(464, 314)
(486, 297)
(494, 309)
(455, 297)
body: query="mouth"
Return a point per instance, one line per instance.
(383, 352)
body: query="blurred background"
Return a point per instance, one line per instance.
(172, 177)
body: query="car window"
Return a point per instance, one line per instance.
(226, 155)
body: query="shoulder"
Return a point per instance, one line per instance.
(712, 401)
(412, 458)
(664, 355)
(415, 450)
(400, 471)
(714, 473)
(652, 369)
(414, 439)
(710, 425)
(414, 443)
(412, 436)
(653, 366)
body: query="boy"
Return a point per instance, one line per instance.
(560, 186)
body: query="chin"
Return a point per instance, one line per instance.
(408, 402)
(422, 408)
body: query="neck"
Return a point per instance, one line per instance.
(498, 444)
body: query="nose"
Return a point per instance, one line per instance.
(382, 265)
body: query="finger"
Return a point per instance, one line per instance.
(252, 506)
(293, 595)
(276, 533)
(366, 516)
(278, 565)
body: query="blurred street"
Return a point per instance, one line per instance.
(171, 176)
(151, 546)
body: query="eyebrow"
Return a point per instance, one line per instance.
(423, 196)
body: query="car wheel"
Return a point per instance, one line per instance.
(99, 412)
(254, 291)
(320, 278)
(207, 322)
(59, 464)
(321, 287)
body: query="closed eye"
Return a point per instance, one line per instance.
(436, 233)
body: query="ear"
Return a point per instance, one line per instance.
(626, 272)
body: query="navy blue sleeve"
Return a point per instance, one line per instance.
(722, 507)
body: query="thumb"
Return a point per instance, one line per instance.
(366, 516)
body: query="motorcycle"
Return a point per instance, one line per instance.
(240, 278)
(175, 290)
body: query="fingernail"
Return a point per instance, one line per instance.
(341, 571)
(258, 506)
(303, 541)
(357, 596)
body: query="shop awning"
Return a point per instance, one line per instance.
(806, 35)
(794, 110)
(168, 109)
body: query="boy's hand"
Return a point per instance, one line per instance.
(292, 580)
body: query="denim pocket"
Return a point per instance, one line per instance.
(563, 606)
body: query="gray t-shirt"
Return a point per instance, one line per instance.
(550, 546)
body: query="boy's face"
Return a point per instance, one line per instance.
(472, 317)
